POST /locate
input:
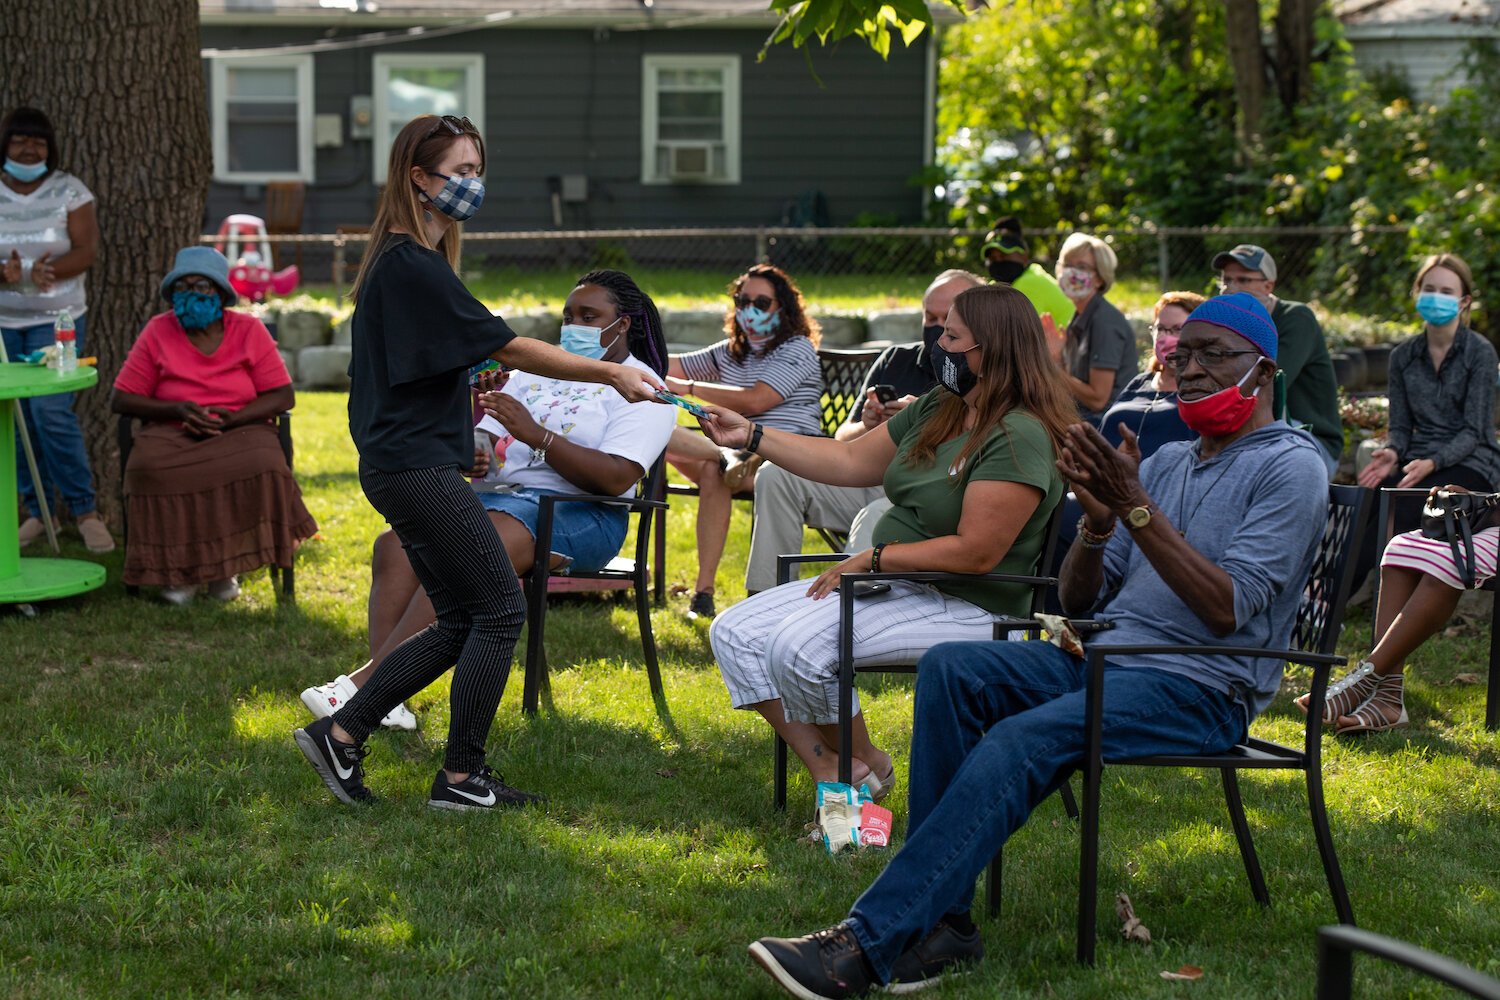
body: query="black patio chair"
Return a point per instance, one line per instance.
(843, 377)
(1314, 637)
(632, 570)
(784, 569)
(1338, 943)
(283, 581)
(1386, 521)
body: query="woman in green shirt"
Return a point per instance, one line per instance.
(970, 471)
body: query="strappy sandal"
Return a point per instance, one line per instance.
(1375, 715)
(1346, 694)
(880, 785)
(737, 472)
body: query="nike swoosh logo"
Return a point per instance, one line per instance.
(487, 799)
(342, 772)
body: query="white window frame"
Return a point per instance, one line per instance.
(730, 64)
(303, 65)
(472, 62)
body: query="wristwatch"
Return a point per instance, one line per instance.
(1138, 517)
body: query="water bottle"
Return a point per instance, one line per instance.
(65, 339)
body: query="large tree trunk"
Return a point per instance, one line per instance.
(122, 82)
(1295, 26)
(1247, 59)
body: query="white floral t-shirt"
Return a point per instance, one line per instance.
(587, 414)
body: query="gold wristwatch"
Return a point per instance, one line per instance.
(1138, 517)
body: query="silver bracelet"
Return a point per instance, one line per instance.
(540, 454)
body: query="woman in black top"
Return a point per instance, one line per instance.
(416, 331)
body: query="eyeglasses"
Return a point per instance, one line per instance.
(454, 124)
(202, 286)
(1239, 281)
(1207, 357)
(1165, 331)
(18, 139)
(761, 302)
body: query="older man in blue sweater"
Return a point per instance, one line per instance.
(1206, 542)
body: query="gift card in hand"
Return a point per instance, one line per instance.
(676, 400)
(478, 371)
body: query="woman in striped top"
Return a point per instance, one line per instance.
(767, 369)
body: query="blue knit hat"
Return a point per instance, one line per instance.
(1243, 314)
(205, 261)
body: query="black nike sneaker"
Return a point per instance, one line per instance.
(339, 764)
(481, 790)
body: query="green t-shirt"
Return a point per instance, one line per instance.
(929, 498)
(1312, 394)
(1041, 289)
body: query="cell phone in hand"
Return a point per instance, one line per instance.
(676, 400)
(476, 372)
(885, 393)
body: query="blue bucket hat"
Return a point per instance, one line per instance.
(1243, 314)
(205, 261)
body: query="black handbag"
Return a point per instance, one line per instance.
(1455, 517)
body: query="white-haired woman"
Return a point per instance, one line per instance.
(1099, 354)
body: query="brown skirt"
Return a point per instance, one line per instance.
(205, 509)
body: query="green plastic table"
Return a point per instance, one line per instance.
(24, 580)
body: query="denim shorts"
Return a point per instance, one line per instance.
(590, 533)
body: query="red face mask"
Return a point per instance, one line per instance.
(1220, 413)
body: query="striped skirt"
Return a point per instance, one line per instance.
(1434, 556)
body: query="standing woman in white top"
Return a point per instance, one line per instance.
(49, 236)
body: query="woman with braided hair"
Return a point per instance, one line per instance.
(540, 435)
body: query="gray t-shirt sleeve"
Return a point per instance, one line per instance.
(704, 365)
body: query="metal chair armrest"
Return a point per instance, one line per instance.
(1338, 942)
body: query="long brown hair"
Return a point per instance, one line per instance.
(794, 319)
(422, 142)
(1016, 372)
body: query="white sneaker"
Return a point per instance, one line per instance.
(179, 595)
(324, 700)
(225, 590)
(400, 717)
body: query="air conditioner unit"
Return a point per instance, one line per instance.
(690, 161)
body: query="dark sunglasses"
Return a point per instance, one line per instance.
(761, 302)
(454, 124)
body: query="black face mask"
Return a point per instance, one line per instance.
(952, 369)
(1006, 270)
(930, 335)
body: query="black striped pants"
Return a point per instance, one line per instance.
(458, 557)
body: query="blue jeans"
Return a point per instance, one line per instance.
(55, 435)
(999, 726)
(588, 533)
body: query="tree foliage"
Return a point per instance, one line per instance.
(874, 21)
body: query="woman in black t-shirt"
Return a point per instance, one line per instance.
(416, 330)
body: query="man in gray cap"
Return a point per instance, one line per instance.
(1312, 398)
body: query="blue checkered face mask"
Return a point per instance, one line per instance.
(460, 197)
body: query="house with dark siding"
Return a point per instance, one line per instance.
(596, 113)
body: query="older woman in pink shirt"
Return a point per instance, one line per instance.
(207, 488)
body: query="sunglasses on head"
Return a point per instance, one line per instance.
(454, 124)
(761, 302)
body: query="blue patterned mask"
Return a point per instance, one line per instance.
(756, 322)
(196, 311)
(460, 197)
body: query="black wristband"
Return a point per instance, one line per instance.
(755, 436)
(875, 557)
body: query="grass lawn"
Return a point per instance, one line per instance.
(163, 837)
(510, 290)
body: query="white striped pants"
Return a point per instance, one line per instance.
(1434, 556)
(781, 644)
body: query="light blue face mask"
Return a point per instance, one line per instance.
(25, 172)
(756, 322)
(1437, 308)
(584, 341)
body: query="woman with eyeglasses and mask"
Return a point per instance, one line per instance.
(970, 471)
(416, 331)
(49, 238)
(1099, 353)
(767, 369)
(207, 488)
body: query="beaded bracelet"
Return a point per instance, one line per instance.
(1089, 539)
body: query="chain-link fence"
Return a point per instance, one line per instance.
(1339, 266)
